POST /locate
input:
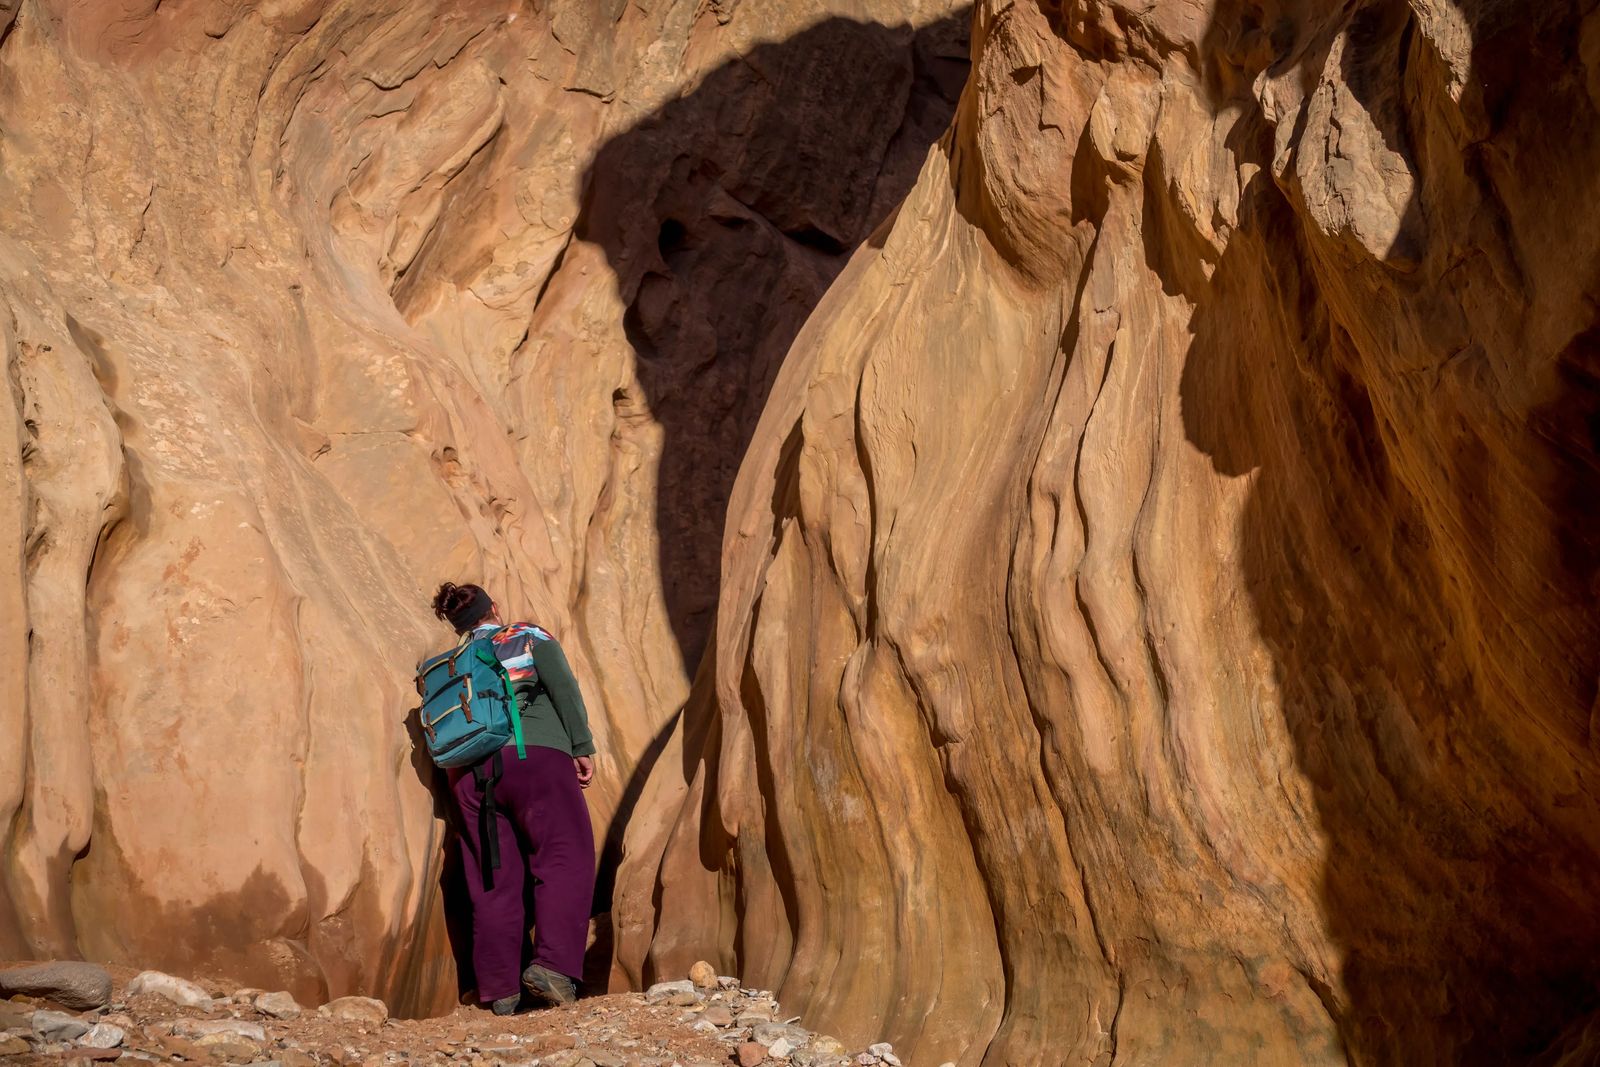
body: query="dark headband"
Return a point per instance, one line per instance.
(472, 612)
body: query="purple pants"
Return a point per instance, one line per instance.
(544, 832)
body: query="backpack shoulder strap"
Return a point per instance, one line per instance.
(489, 659)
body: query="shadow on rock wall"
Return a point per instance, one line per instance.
(1420, 541)
(726, 214)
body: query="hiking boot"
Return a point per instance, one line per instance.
(507, 1005)
(549, 986)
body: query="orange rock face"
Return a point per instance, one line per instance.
(306, 306)
(1154, 617)
(1158, 621)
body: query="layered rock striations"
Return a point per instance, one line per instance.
(306, 306)
(1158, 621)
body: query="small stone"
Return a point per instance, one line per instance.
(717, 1015)
(225, 1048)
(822, 1049)
(703, 975)
(752, 1018)
(767, 1033)
(780, 1048)
(662, 990)
(948, 1063)
(13, 1018)
(178, 990)
(293, 1057)
(683, 999)
(356, 1010)
(882, 1048)
(603, 1057)
(13, 1046)
(58, 1026)
(867, 1059)
(201, 1029)
(103, 1035)
(94, 1053)
(751, 1054)
(891, 1059)
(278, 1005)
(180, 1047)
(69, 983)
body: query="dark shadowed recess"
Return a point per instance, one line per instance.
(726, 214)
(1453, 884)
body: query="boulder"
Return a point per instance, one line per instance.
(69, 983)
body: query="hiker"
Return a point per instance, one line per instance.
(525, 816)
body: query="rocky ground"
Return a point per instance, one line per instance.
(77, 1011)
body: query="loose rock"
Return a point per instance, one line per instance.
(204, 1028)
(356, 1010)
(103, 1035)
(229, 1048)
(177, 990)
(751, 1054)
(13, 1046)
(703, 975)
(69, 983)
(58, 1026)
(278, 1005)
(662, 990)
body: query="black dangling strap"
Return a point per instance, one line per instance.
(486, 774)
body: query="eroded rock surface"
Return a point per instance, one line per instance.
(1159, 621)
(306, 306)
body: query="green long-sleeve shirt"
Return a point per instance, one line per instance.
(553, 715)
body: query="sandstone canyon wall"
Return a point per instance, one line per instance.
(1158, 620)
(307, 305)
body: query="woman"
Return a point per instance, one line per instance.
(540, 824)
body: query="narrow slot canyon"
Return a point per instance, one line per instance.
(1076, 520)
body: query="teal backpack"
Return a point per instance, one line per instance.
(469, 707)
